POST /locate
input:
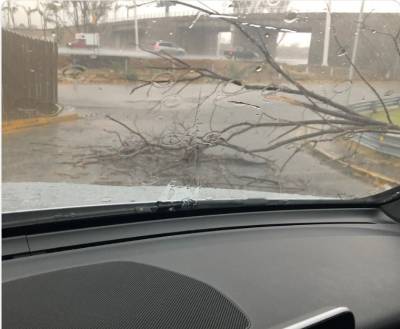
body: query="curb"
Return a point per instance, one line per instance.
(382, 179)
(15, 125)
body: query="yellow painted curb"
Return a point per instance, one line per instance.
(14, 125)
(379, 177)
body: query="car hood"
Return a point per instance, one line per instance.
(30, 196)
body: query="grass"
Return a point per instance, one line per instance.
(394, 115)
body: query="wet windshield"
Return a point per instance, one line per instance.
(125, 101)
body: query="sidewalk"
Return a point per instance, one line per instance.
(15, 125)
(381, 169)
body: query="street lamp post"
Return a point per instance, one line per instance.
(355, 49)
(135, 19)
(327, 35)
(356, 40)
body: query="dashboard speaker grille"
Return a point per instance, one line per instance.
(117, 295)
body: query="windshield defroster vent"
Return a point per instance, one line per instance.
(117, 295)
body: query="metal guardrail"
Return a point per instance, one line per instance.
(384, 143)
(373, 105)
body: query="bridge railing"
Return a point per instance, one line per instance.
(151, 15)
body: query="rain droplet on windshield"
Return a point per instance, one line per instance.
(342, 87)
(163, 80)
(232, 87)
(273, 3)
(171, 139)
(188, 203)
(172, 101)
(73, 71)
(195, 20)
(341, 52)
(270, 90)
(172, 184)
(291, 17)
(212, 138)
(287, 30)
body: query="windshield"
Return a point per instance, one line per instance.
(274, 99)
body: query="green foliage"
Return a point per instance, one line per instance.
(240, 70)
(131, 76)
(234, 71)
(381, 115)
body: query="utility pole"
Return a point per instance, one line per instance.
(327, 35)
(136, 25)
(356, 40)
(167, 9)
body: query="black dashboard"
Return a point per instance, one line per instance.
(244, 270)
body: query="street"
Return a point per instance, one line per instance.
(66, 152)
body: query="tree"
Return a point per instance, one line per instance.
(10, 11)
(87, 14)
(117, 6)
(29, 11)
(257, 6)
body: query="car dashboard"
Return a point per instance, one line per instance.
(235, 270)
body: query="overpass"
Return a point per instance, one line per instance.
(201, 38)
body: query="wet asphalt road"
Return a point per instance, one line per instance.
(51, 153)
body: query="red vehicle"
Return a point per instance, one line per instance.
(77, 44)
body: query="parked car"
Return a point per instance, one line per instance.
(240, 53)
(168, 47)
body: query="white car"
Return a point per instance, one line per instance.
(168, 47)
